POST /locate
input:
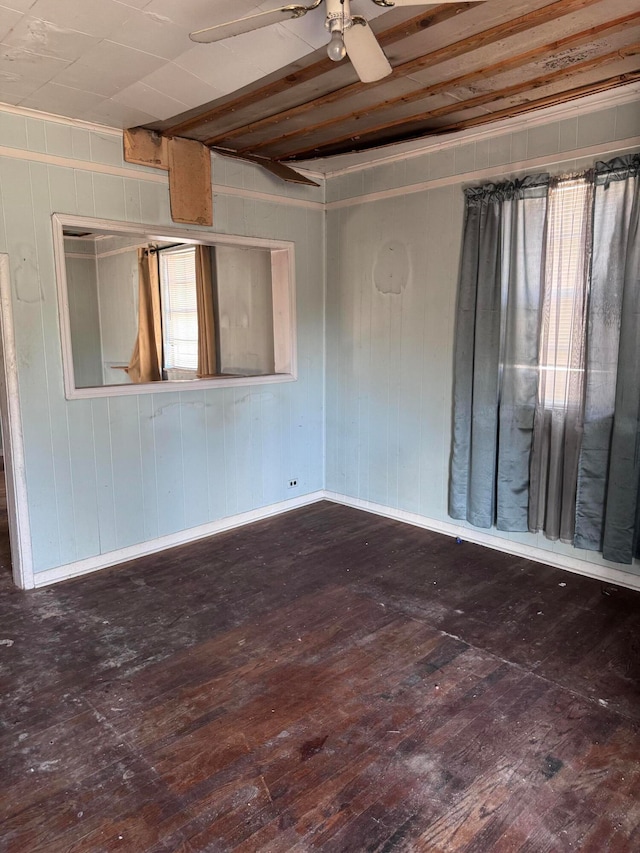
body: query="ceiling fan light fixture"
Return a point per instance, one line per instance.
(358, 42)
(336, 49)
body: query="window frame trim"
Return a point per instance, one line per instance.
(283, 292)
(166, 312)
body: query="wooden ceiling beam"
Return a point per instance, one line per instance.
(516, 26)
(417, 125)
(575, 40)
(542, 103)
(388, 37)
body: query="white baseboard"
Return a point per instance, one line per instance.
(497, 543)
(478, 537)
(183, 537)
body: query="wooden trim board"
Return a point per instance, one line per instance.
(13, 443)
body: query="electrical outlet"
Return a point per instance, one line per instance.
(293, 484)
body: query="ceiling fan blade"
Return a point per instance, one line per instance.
(365, 53)
(246, 25)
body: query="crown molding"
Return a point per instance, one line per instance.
(57, 119)
(514, 169)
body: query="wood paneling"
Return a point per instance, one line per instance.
(564, 85)
(327, 680)
(476, 58)
(360, 120)
(311, 71)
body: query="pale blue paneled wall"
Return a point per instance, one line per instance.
(107, 473)
(389, 355)
(84, 318)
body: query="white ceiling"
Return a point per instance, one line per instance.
(128, 62)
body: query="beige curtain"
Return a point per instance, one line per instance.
(146, 361)
(206, 325)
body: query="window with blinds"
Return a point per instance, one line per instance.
(179, 308)
(564, 305)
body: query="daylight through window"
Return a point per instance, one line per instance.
(179, 308)
(564, 309)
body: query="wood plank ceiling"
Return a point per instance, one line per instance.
(454, 67)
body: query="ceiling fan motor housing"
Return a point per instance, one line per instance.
(338, 15)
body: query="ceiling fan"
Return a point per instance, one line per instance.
(350, 34)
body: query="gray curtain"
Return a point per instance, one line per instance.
(557, 431)
(496, 353)
(607, 505)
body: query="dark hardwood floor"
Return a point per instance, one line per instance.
(322, 681)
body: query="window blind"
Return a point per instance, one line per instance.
(180, 315)
(565, 281)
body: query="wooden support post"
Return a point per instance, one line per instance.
(190, 182)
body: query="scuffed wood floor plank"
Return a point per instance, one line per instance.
(324, 681)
